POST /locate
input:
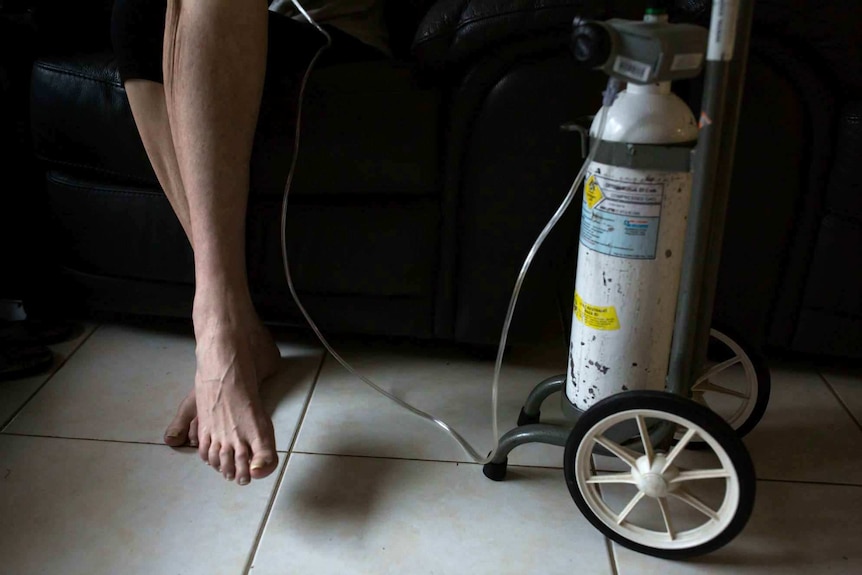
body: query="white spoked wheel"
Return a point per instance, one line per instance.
(736, 382)
(668, 503)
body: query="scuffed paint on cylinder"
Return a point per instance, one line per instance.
(627, 283)
(630, 257)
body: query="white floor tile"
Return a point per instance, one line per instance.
(14, 393)
(345, 417)
(346, 515)
(126, 382)
(848, 386)
(805, 435)
(92, 508)
(794, 529)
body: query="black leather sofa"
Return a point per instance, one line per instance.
(423, 180)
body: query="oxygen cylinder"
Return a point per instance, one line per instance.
(636, 199)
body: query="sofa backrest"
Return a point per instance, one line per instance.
(402, 19)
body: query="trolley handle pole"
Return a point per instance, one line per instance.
(727, 56)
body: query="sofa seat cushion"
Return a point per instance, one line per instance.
(80, 119)
(367, 128)
(370, 246)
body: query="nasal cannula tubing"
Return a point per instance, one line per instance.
(465, 445)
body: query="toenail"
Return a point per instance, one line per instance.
(173, 435)
(193, 443)
(243, 481)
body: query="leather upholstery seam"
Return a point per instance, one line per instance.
(91, 167)
(100, 189)
(58, 70)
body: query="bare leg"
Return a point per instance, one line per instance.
(215, 59)
(215, 54)
(147, 100)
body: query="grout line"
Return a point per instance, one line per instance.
(420, 460)
(841, 401)
(278, 484)
(266, 514)
(51, 375)
(808, 482)
(416, 459)
(307, 403)
(392, 458)
(91, 439)
(612, 556)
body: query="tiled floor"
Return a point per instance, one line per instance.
(86, 487)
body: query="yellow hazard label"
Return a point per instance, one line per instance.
(592, 192)
(597, 317)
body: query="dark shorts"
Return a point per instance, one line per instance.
(138, 30)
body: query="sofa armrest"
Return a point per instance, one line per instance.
(64, 26)
(456, 31)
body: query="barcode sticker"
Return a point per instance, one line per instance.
(632, 68)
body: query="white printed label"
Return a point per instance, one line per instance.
(686, 62)
(621, 217)
(722, 30)
(632, 68)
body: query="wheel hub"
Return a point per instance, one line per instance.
(650, 479)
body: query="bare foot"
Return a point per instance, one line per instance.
(234, 432)
(183, 429)
(236, 436)
(184, 426)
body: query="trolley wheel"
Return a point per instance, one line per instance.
(736, 383)
(672, 504)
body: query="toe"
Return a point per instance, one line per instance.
(213, 458)
(175, 436)
(226, 464)
(243, 475)
(204, 446)
(264, 458)
(193, 433)
(177, 432)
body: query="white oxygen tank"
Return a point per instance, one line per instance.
(630, 255)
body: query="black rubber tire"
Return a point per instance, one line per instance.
(692, 411)
(764, 380)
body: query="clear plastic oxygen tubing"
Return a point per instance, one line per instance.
(609, 96)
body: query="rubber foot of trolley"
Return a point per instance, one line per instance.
(495, 471)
